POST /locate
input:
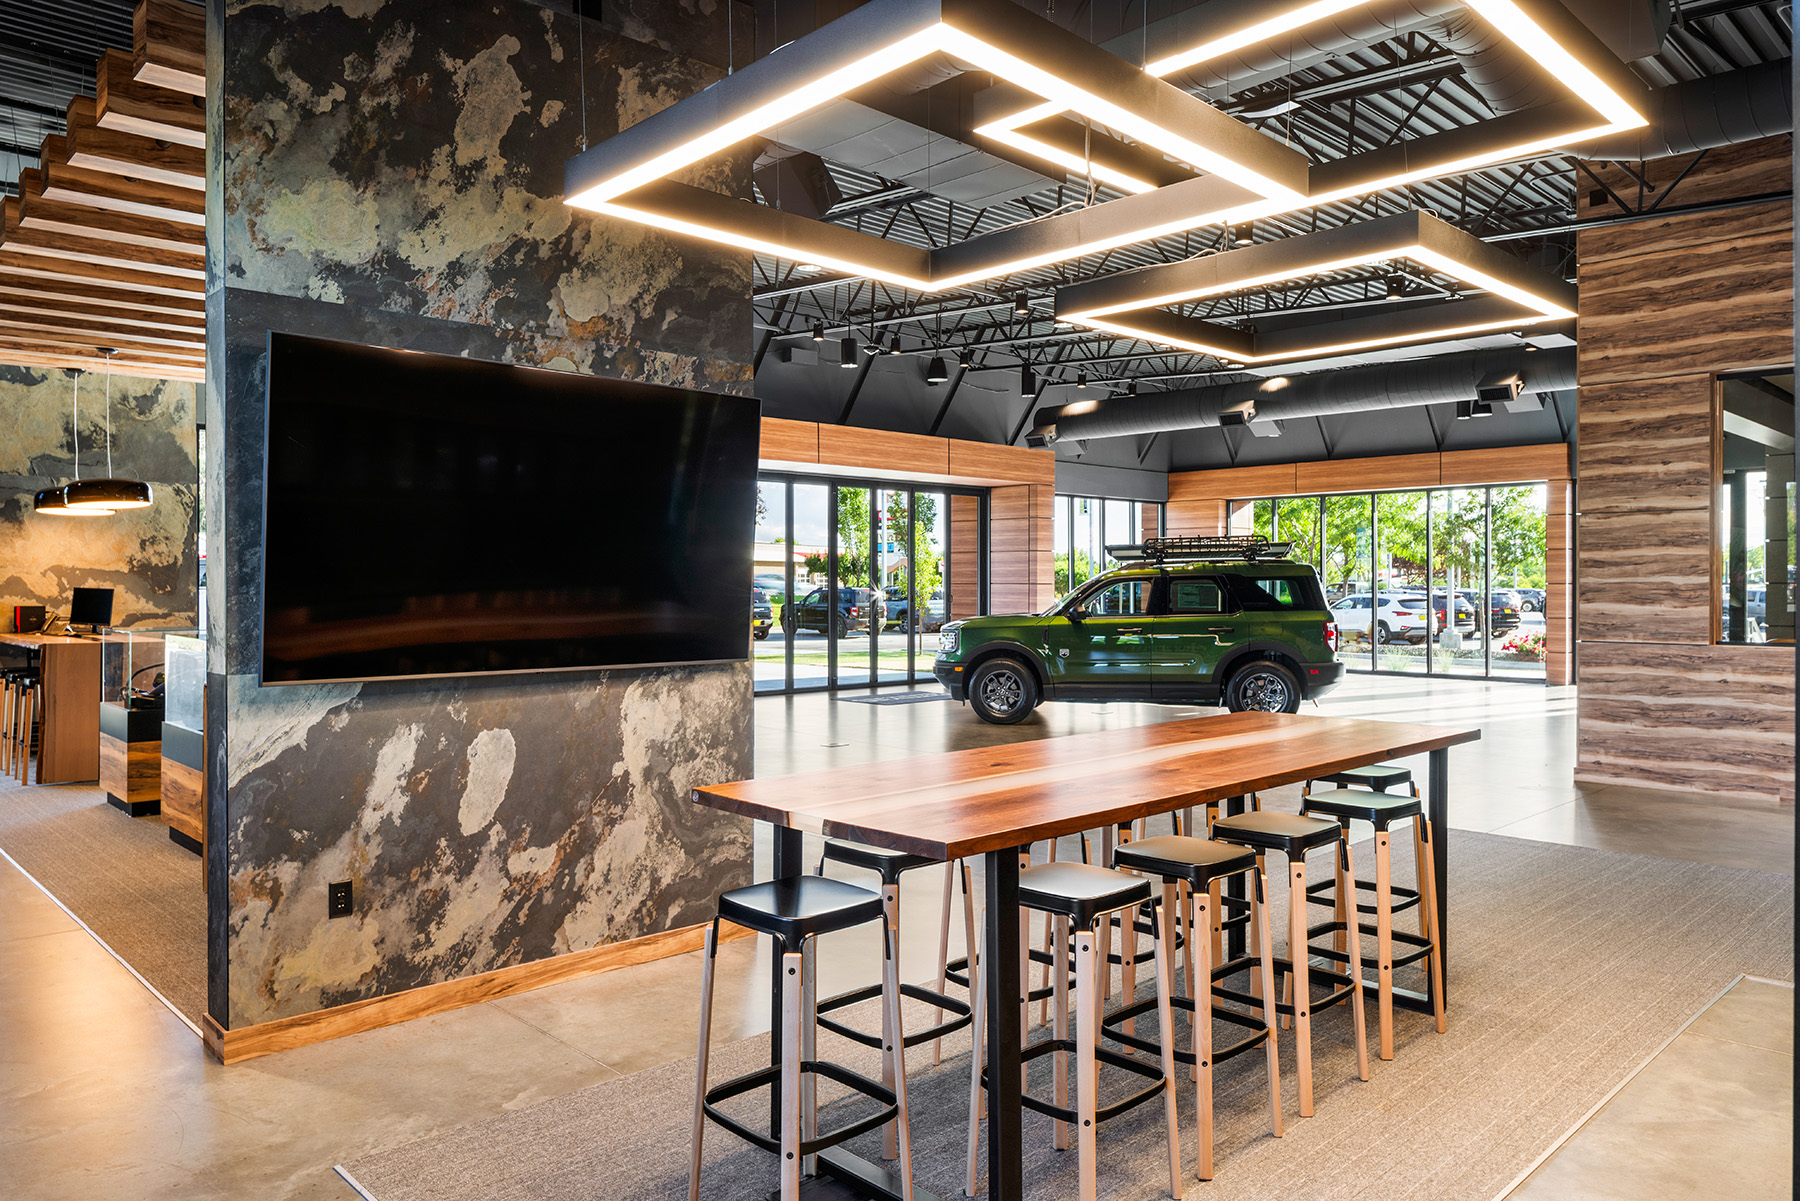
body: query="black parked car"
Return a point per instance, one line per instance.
(899, 611)
(1502, 615)
(761, 615)
(853, 611)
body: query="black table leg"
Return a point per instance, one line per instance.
(1237, 939)
(789, 848)
(1439, 812)
(1005, 1157)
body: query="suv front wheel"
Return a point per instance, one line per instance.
(1265, 687)
(1003, 691)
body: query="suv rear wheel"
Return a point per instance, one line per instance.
(1263, 686)
(1003, 691)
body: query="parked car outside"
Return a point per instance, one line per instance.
(1386, 619)
(1531, 600)
(931, 613)
(1248, 634)
(773, 584)
(1464, 611)
(762, 617)
(1500, 615)
(854, 609)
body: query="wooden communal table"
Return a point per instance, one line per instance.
(69, 733)
(996, 801)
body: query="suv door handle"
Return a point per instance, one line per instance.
(1221, 630)
(1131, 630)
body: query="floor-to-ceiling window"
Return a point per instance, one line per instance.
(1449, 581)
(855, 578)
(1084, 526)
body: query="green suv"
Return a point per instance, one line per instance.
(1183, 620)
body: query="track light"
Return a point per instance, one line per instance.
(965, 358)
(1028, 384)
(1242, 234)
(1131, 388)
(1081, 380)
(1021, 305)
(818, 331)
(1396, 287)
(847, 351)
(935, 371)
(893, 344)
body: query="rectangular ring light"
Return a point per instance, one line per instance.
(1130, 303)
(1021, 48)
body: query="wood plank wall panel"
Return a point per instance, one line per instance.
(1227, 482)
(1020, 563)
(789, 441)
(965, 556)
(1646, 576)
(1149, 520)
(1666, 304)
(1559, 583)
(1684, 306)
(1706, 718)
(1647, 444)
(1725, 173)
(1364, 475)
(988, 462)
(1504, 465)
(1204, 517)
(184, 799)
(883, 450)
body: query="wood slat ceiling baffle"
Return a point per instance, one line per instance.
(105, 244)
(169, 48)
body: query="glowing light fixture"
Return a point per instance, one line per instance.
(1135, 303)
(1028, 384)
(936, 371)
(54, 502)
(818, 331)
(847, 351)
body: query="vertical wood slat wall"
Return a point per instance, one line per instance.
(1666, 304)
(1199, 500)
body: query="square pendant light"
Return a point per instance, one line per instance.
(1135, 303)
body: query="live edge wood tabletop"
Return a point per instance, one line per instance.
(969, 802)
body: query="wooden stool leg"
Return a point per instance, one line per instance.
(1203, 1084)
(26, 729)
(1105, 933)
(1256, 983)
(1384, 942)
(1165, 1024)
(943, 956)
(5, 725)
(1050, 950)
(976, 1108)
(1128, 948)
(1060, 982)
(791, 967)
(1428, 904)
(1356, 974)
(1343, 909)
(1299, 984)
(1265, 944)
(1087, 1023)
(895, 1058)
(709, 953)
(1218, 920)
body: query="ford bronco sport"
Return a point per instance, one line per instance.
(1182, 620)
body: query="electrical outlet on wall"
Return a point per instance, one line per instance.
(337, 901)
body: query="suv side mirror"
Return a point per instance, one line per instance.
(1079, 614)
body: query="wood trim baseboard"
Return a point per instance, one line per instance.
(284, 1034)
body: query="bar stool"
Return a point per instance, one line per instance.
(24, 700)
(1293, 837)
(888, 865)
(1079, 896)
(1376, 776)
(793, 912)
(1199, 864)
(1381, 810)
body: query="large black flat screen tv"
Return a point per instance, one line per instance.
(434, 516)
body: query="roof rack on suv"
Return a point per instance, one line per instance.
(1228, 548)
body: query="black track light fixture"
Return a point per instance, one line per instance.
(847, 351)
(1131, 388)
(1396, 286)
(965, 358)
(1241, 234)
(1028, 384)
(1081, 379)
(818, 331)
(935, 371)
(893, 346)
(1021, 305)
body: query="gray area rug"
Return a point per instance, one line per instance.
(139, 892)
(897, 698)
(1570, 968)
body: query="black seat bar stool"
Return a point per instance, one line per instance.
(1199, 864)
(888, 865)
(1381, 810)
(794, 912)
(1294, 836)
(1378, 777)
(1078, 897)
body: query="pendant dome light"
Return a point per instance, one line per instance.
(54, 501)
(113, 492)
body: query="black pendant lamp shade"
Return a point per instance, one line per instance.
(107, 494)
(937, 371)
(53, 502)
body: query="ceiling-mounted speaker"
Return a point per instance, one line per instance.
(797, 183)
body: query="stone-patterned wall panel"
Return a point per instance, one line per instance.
(147, 556)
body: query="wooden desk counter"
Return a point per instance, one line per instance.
(69, 740)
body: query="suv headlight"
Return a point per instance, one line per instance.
(947, 640)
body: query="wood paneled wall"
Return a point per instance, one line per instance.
(1666, 305)
(1021, 497)
(1199, 500)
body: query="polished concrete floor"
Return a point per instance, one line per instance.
(105, 1094)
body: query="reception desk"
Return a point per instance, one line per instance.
(69, 738)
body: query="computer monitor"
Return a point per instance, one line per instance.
(91, 607)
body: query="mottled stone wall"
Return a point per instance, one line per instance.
(390, 172)
(146, 556)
